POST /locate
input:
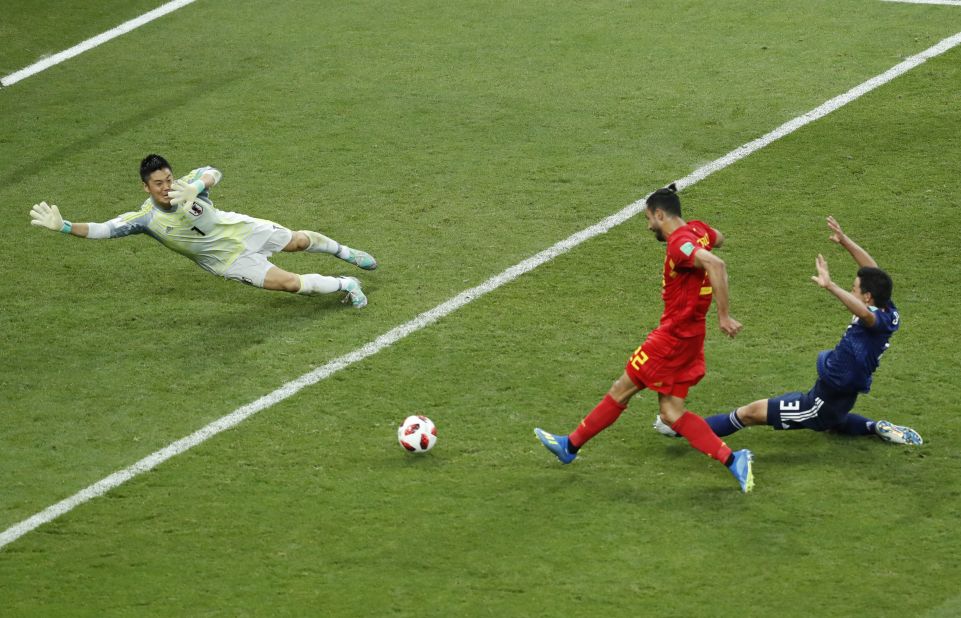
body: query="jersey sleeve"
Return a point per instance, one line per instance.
(688, 240)
(700, 230)
(886, 321)
(681, 248)
(128, 223)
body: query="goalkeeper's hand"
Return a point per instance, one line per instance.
(184, 194)
(46, 215)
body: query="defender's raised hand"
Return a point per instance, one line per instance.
(837, 234)
(823, 278)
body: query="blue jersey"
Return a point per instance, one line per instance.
(848, 367)
(210, 237)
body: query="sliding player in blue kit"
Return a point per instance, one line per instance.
(844, 372)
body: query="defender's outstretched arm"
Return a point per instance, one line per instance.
(862, 257)
(849, 300)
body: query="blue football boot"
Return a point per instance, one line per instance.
(741, 469)
(556, 445)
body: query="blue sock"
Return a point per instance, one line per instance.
(725, 424)
(856, 425)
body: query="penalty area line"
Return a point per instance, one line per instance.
(100, 39)
(431, 316)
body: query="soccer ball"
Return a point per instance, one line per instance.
(417, 434)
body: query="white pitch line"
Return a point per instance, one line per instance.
(944, 2)
(446, 308)
(89, 44)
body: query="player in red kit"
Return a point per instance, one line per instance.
(671, 359)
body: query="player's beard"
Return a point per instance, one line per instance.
(658, 234)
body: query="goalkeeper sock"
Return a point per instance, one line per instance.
(321, 244)
(696, 431)
(318, 284)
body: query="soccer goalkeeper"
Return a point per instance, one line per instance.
(180, 215)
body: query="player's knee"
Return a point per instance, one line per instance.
(754, 413)
(669, 417)
(622, 390)
(282, 282)
(298, 242)
(291, 284)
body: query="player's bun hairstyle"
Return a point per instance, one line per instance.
(665, 199)
(150, 164)
(878, 283)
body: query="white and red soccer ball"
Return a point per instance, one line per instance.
(417, 434)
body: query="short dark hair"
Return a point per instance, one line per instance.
(150, 164)
(878, 283)
(665, 199)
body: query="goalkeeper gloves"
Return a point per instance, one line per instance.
(184, 194)
(48, 216)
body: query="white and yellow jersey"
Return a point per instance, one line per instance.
(210, 237)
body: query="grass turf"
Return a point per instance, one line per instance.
(452, 143)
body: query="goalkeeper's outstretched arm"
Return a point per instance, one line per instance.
(48, 216)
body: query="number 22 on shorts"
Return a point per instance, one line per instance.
(638, 358)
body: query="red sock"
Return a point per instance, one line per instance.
(599, 419)
(696, 431)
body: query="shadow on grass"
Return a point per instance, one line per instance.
(97, 133)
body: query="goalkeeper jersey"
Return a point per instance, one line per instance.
(210, 237)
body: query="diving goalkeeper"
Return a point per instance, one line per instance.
(180, 215)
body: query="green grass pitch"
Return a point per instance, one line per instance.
(453, 140)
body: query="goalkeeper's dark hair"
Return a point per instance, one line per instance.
(878, 283)
(150, 164)
(665, 199)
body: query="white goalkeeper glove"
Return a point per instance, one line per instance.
(184, 194)
(48, 216)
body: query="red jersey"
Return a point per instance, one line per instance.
(687, 288)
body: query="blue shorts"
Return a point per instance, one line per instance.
(820, 409)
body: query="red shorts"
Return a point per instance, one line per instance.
(667, 364)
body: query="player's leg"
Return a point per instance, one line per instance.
(312, 284)
(699, 435)
(692, 427)
(604, 413)
(279, 280)
(838, 407)
(315, 242)
(849, 423)
(754, 413)
(256, 270)
(857, 425)
(602, 416)
(816, 410)
(253, 267)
